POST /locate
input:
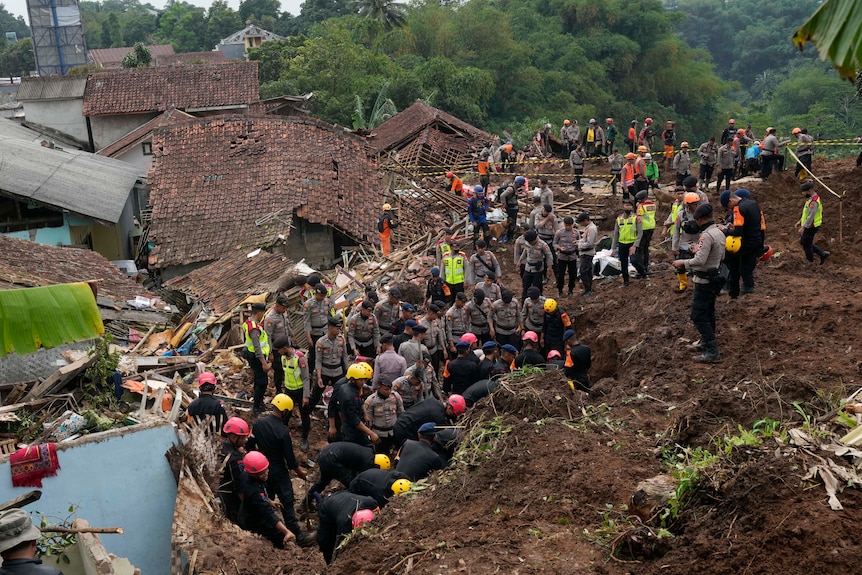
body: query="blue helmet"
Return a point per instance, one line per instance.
(520, 180)
(477, 189)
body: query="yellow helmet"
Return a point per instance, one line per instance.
(282, 402)
(733, 243)
(382, 461)
(360, 370)
(401, 485)
(643, 149)
(386, 207)
(550, 305)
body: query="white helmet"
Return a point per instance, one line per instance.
(592, 120)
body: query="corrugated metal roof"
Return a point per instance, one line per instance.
(80, 182)
(52, 88)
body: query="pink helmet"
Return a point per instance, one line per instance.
(255, 462)
(469, 338)
(553, 353)
(362, 517)
(457, 403)
(531, 336)
(207, 377)
(236, 426)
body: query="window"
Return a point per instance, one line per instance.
(147, 148)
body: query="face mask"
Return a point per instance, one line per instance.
(628, 211)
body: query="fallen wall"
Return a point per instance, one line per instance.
(119, 478)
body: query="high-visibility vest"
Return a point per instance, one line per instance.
(454, 267)
(628, 229)
(445, 249)
(818, 216)
(292, 372)
(628, 175)
(250, 325)
(591, 135)
(646, 210)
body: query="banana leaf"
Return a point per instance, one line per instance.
(836, 30)
(47, 317)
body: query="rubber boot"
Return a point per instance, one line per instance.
(683, 282)
(710, 353)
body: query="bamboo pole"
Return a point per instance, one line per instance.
(60, 529)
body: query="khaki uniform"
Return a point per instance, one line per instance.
(362, 332)
(506, 316)
(387, 314)
(457, 323)
(433, 338)
(277, 325)
(533, 314)
(480, 317)
(331, 356)
(316, 315)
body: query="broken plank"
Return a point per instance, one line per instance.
(60, 377)
(160, 360)
(21, 500)
(135, 316)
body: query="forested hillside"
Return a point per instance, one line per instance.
(518, 64)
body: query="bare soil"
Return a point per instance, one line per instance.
(533, 501)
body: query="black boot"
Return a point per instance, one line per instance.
(710, 353)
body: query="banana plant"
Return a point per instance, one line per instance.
(836, 30)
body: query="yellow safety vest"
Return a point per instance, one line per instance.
(445, 249)
(591, 135)
(818, 216)
(247, 327)
(453, 268)
(674, 210)
(292, 372)
(628, 229)
(646, 210)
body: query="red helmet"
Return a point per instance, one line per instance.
(767, 254)
(531, 336)
(255, 462)
(610, 120)
(459, 405)
(207, 377)
(236, 426)
(648, 121)
(362, 517)
(450, 175)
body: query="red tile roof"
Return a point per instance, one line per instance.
(155, 89)
(228, 281)
(28, 264)
(406, 124)
(190, 58)
(213, 178)
(144, 132)
(112, 57)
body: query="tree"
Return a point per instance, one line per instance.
(139, 57)
(251, 9)
(834, 29)
(387, 13)
(222, 21)
(16, 59)
(384, 108)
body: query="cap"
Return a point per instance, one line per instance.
(568, 333)
(435, 272)
(510, 348)
(690, 182)
(281, 342)
(258, 307)
(703, 211)
(429, 428)
(419, 328)
(281, 300)
(742, 193)
(531, 235)
(321, 289)
(489, 345)
(533, 292)
(568, 220)
(584, 216)
(806, 186)
(724, 198)
(408, 307)
(490, 275)
(395, 292)
(334, 321)
(16, 528)
(411, 323)
(462, 344)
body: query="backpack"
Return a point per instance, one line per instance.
(511, 199)
(381, 224)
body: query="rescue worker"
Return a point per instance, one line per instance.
(576, 162)
(704, 265)
(388, 311)
(646, 211)
(430, 410)
(728, 133)
(556, 324)
(804, 151)
(417, 459)
(477, 214)
(506, 318)
(724, 160)
(479, 309)
(770, 156)
(610, 136)
(647, 135)
(529, 351)
(338, 515)
(257, 353)
(297, 382)
(686, 234)
(628, 231)
(381, 409)
(642, 181)
(343, 461)
(746, 225)
(454, 267)
(668, 137)
(682, 163)
(461, 372)
(507, 157)
(587, 239)
(616, 160)
(331, 365)
(812, 217)
(490, 365)
(707, 153)
(413, 349)
(436, 288)
(509, 198)
(628, 176)
(457, 322)
(385, 224)
(388, 365)
(410, 387)
(546, 227)
(271, 437)
(546, 195)
(483, 166)
(206, 408)
(236, 434)
(18, 541)
(533, 311)
(492, 289)
(351, 405)
(632, 139)
(381, 484)
(481, 263)
(566, 137)
(593, 139)
(434, 338)
(277, 324)
(536, 258)
(456, 185)
(363, 331)
(316, 312)
(578, 360)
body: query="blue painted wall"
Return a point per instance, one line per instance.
(48, 236)
(122, 481)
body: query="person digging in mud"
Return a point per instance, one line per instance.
(417, 459)
(339, 514)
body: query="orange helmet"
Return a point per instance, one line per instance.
(643, 149)
(630, 156)
(691, 198)
(795, 131)
(566, 122)
(450, 175)
(741, 132)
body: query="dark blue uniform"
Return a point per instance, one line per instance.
(336, 519)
